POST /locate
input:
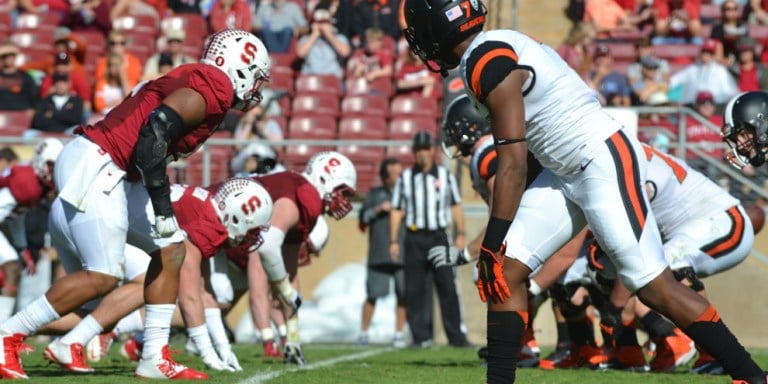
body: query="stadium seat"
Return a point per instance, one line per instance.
(281, 79)
(145, 24)
(193, 24)
(365, 105)
(628, 36)
(325, 84)
(37, 22)
(296, 156)
(312, 127)
(403, 128)
(359, 154)
(33, 55)
(6, 24)
(141, 45)
(407, 105)
(710, 14)
(315, 104)
(620, 52)
(359, 86)
(33, 39)
(363, 128)
(95, 41)
(677, 52)
(758, 32)
(401, 152)
(14, 123)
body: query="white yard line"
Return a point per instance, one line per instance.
(266, 376)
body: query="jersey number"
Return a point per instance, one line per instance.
(249, 53)
(250, 206)
(677, 169)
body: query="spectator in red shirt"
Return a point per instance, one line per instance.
(88, 15)
(677, 22)
(372, 62)
(230, 14)
(758, 11)
(704, 137)
(79, 84)
(413, 77)
(748, 73)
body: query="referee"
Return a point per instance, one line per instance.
(422, 197)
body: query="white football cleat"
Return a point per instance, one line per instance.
(70, 356)
(162, 366)
(98, 347)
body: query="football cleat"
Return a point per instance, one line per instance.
(399, 341)
(131, 349)
(10, 362)
(70, 356)
(271, 349)
(363, 340)
(162, 366)
(292, 354)
(707, 365)
(555, 357)
(98, 347)
(529, 352)
(672, 352)
(581, 356)
(763, 379)
(629, 358)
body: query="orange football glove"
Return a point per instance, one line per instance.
(490, 271)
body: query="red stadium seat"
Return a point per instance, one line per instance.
(677, 52)
(219, 165)
(14, 123)
(620, 52)
(37, 21)
(363, 128)
(193, 24)
(360, 86)
(281, 79)
(403, 128)
(296, 156)
(413, 106)
(312, 127)
(365, 105)
(32, 55)
(758, 32)
(282, 59)
(710, 14)
(6, 23)
(95, 41)
(145, 24)
(402, 153)
(326, 84)
(33, 39)
(315, 104)
(140, 45)
(358, 153)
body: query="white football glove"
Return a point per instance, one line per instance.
(213, 361)
(442, 256)
(229, 358)
(165, 227)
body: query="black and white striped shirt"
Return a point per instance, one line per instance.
(426, 197)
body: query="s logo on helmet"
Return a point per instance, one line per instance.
(249, 53)
(250, 206)
(332, 163)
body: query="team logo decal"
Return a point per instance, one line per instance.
(475, 4)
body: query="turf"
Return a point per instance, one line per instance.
(379, 364)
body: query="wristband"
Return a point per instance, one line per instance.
(495, 233)
(535, 288)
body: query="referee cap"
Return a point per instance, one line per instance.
(423, 140)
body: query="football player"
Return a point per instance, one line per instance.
(326, 184)
(22, 187)
(235, 214)
(126, 153)
(537, 103)
(467, 134)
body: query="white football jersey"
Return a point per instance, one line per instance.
(680, 194)
(563, 116)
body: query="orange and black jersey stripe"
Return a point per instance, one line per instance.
(488, 164)
(732, 239)
(630, 182)
(488, 65)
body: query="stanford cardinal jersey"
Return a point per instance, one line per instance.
(24, 185)
(196, 216)
(118, 132)
(297, 188)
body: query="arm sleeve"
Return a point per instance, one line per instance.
(488, 65)
(488, 163)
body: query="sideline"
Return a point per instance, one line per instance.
(266, 376)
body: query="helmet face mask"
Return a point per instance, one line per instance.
(462, 128)
(745, 129)
(44, 159)
(337, 202)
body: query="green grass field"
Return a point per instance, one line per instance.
(358, 365)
